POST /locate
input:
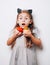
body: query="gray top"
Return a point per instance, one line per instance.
(21, 55)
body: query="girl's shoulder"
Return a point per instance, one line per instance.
(35, 30)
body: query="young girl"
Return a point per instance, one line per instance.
(24, 40)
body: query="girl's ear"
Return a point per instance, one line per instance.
(31, 22)
(30, 11)
(19, 10)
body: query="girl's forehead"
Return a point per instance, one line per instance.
(24, 14)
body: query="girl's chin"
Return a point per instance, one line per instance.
(22, 26)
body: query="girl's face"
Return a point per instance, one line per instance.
(23, 19)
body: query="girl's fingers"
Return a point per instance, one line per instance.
(27, 33)
(19, 33)
(16, 31)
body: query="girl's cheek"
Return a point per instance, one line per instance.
(27, 20)
(27, 23)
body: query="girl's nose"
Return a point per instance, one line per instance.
(23, 20)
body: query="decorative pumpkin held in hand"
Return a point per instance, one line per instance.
(25, 28)
(19, 29)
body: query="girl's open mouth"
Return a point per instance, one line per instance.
(23, 23)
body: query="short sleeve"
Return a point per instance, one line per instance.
(36, 33)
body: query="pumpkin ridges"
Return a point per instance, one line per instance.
(19, 29)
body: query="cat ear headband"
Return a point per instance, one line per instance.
(19, 10)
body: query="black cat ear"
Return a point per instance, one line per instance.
(30, 11)
(19, 10)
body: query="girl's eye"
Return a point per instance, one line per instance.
(20, 18)
(26, 18)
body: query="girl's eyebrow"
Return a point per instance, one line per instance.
(25, 16)
(20, 15)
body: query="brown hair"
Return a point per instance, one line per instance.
(31, 26)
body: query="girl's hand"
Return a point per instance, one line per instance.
(13, 37)
(17, 33)
(27, 33)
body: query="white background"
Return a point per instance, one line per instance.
(41, 13)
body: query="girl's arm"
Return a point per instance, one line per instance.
(13, 37)
(11, 40)
(35, 40)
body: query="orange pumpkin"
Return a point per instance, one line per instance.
(19, 29)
